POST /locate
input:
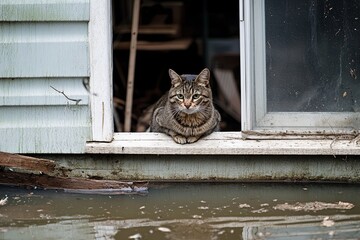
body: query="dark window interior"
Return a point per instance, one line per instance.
(313, 53)
(204, 33)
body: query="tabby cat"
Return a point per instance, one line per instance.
(186, 112)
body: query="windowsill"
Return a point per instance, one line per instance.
(220, 143)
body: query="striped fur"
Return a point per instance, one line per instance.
(186, 112)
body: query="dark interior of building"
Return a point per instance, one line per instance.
(183, 35)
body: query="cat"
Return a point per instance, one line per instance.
(186, 112)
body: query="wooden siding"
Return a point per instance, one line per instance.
(44, 45)
(44, 50)
(44, 10)
(38, 91)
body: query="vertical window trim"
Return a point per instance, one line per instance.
(259, 61)
(100, 49)
(249, 75)
(246, 70)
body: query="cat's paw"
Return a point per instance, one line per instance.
(179, 139)
(192, 139)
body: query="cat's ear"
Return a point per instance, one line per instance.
(175, 78)
(203, 79)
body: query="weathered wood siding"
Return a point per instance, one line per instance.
(44, 44)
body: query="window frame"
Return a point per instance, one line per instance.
(253, 82)
(105, 141)
(101, 70)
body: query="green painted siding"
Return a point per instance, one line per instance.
(44, 44)
(44, 10)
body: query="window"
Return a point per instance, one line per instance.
(300, 63)
(298, 74)
(183, 35)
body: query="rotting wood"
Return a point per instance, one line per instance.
(25, 162)
(76, 185)
(42, 180)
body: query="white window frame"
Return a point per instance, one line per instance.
(105, 141)
(253, 79)
(101, 58)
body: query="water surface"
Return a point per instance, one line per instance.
(186, 211)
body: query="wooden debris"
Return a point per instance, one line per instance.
(38, 175)
(78, 185)
(25, 162)
(314, 206)
(3, 201)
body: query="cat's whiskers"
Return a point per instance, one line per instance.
(173, 113)
(191, 110)
(196, 117)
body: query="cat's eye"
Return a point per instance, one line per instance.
(180, 96)
(196, 96)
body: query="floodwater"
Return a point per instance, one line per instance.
(186, 211)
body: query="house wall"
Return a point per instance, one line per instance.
(44, 52)
(214, 168)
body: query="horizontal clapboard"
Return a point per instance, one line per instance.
(44, 52)
(43, 91)
(59, 139)
(44, 10)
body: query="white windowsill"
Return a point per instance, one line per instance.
(220, 143)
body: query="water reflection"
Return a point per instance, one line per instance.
(186, 211)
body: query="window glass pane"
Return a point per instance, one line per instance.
(312, 55)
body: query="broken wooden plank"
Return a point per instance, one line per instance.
(25, 162)
(78, 185)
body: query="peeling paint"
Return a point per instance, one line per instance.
(212, 168)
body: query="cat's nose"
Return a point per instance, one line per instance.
(187, 104)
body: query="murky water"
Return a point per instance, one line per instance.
(186, 211)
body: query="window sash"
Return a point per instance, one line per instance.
(255, 115)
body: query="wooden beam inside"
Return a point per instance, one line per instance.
(171, 45)
(131, 70)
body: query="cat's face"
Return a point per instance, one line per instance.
(190, 93)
